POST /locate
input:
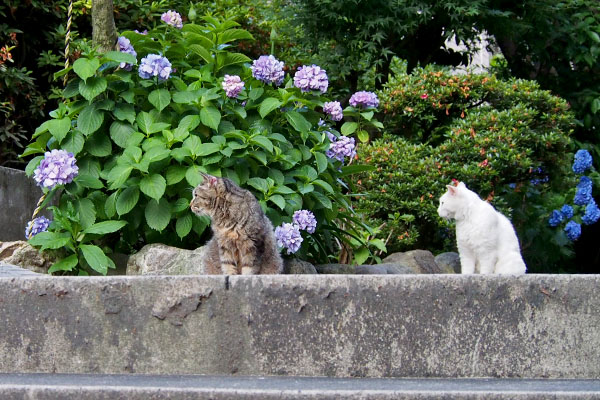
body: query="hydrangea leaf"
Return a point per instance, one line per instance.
(59, 128)
(96, 258)
(66, 264)
(153, 186)
(160, 98)
(348, 128)
(110, 205)
(92, 87)
(278, 200)
(104, 227)
(50, 240)
(90, 119)
(127, 199)
(180, 205)
(184, 225)
(86, 68)
(120, 133)
(269, 104)
(158, 214)
(74, 142)
(211, 117)
(298, 121)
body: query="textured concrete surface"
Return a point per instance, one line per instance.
(12, 271)
(144, 387)
(531, 326)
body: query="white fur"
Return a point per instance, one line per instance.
(486, 240)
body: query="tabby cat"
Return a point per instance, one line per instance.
(243, 241)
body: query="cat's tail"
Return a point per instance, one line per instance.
(511, 263)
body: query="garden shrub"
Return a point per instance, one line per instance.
(143, 123)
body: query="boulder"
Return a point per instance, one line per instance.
(22, 254)
(160, 259)
(449, 261)
(295, 266)
(336, 268)
(396, 269)
(420, 261)
(370, 270)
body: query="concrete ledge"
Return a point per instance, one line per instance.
(531, 326)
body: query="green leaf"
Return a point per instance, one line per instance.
(263, 142)
(104, 227)
(66, 264)
(283, 190)
(95, 258)
(355, 169)
(324, 200)
(206, 149)
(363, 136)
(175, 173)
(321, 161)
(158, 214)
(118, 175)
(120, 57)
(269, 104)
(193, 143)
(144, 121)
(153, 186)
(189, 97)
(120, 133)
(255, 93)
(193, 176)
(92, 87)
(90, 119)
(88, 181)
(180, 205)
(124, 112)
(156, 153)
(368, 115)
(259, 184)
(210, 117)
(233, 34)
(110, 206)
(160, 98)
(74, 142)
(127, 199)
(361, 255)
(202, 52)
(279, 200)
(298, 121)
(227, 59)
(50, 240)
(59, 128)
(86, 67)
(86, 211)
(184, 225)
(99, 145)
(324, 185)
(348, 128)
(595, 106)
(32, 165)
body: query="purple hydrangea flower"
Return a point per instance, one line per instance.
(268, 69)
(126, 47)
(334, 110)
(305, 220)
(583, 161)
(592, 213)
(288, 237)
(172, 18)
(364, 100)
(57, 168)
(555, 218)
(311, 77)
(573, 230)
(155, 65)
(233, 85)
(567, 211)
(583, 194)
(39, 224)
(341, 147)
(144, 32)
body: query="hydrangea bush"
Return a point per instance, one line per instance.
(188, 104)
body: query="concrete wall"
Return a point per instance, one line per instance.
(532, 326)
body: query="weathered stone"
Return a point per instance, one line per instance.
(12, 271)
(160, 259)
(295, 266)
(336, 268)
(449, 261)
(370, 270)
(22, 254)
(396, 269)
(420, 261)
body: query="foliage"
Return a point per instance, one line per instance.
(141, 144)
(507, 140)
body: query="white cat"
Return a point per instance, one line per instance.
(487, 242)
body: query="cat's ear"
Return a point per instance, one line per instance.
(211, 180)
(452, 190)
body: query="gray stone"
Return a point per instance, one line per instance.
(22, 254)
(160, 259)
(336, 269)
(420, 261)
(449, 261)
(370, 270)
(12, 271)
(396, 269)
(295, 266)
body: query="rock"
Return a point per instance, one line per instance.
(396, 269)
(295, 266)
(420, 261)
(449, 261)
(336, 269)
(22, 254)
(370, 270)
(160, 259)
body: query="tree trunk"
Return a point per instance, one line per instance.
(104, 32)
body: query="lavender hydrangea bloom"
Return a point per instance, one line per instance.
(268, 69)
(567, 211)
(341, 147)
(172, 18)
(334, 110)
(555, 218)
(592, 213)
(311, 77)
(126, 47)
(583, 194)
(233, 85)
(573, 230)
(57, 168)
(305, 220)
(364, 100)
(288, 237)
(39, 224)
(155, 65)
(583, 161)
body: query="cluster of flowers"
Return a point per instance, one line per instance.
(341, 147)
(288, 234)
(583, 198)
(37, 225)
(126, 47)
(232, 85)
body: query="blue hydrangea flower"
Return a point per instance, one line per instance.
(341, 147)
(334, 110)
(288, 237)
(583, 194)
(573, 230)
(126, 47)
(364, 100)
(172, 18)
(268, 69)
(583, 161)
(57, 168)
(555, 218)
(233, 85)
(567, 211)
(592, 213)
(39, 224)
(311, 77)
(305, 220)
(155, 65)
